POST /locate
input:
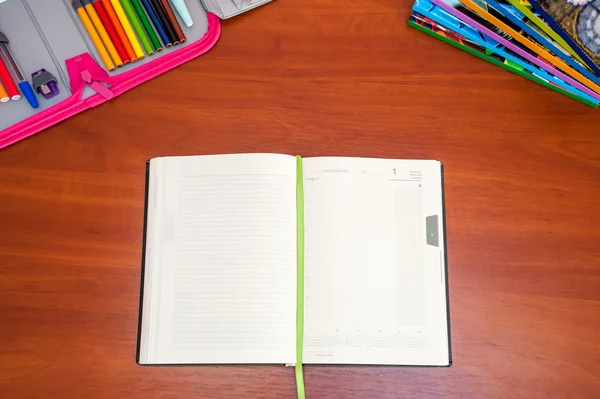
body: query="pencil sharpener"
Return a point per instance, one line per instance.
(45, 84)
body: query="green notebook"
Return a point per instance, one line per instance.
(275, 259)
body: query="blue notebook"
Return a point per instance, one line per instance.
(575, 22)
(511, 16)
(437, 14)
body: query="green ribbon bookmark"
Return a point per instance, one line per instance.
(300, 279)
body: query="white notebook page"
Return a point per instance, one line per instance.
(374, 290)
(221, 265)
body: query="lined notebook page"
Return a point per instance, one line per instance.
(223, 280)
(374, 289)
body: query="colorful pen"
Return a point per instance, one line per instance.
(87, 4)
(89, 27)
(139, 11)
(183, 12)
(128, 29)
(180, 36)
(157, 24)
(110, 30)
(164, 20)
(3, 94)
(119, 30)
(136, 26)
(12, 90)
(24, 85)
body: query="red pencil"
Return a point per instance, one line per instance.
(110, 29)
(12, 90)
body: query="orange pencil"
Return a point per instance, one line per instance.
(89, 27)
(3, 94)
(112, 15)
(91, 11)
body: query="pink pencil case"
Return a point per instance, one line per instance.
(47, 34)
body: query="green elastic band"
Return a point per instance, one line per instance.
(300, 278)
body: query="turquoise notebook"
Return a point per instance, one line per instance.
(275, 259)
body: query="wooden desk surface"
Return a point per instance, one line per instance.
(315, 77)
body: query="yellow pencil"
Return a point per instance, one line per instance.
(102, 32)
(128, 29)
(89, 27)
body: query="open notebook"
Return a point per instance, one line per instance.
(264, 258)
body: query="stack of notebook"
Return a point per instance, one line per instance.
(555, 43)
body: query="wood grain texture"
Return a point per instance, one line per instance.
(314, 77)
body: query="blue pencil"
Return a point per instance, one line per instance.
(157, 24)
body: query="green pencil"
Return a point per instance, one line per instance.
(137, 26)
(147, 26)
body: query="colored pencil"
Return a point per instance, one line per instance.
(89, 8)
(139, 10)
(116, 23)
(110, 30)
(11, 88)
(183, 11)
(173, 21)
(157, 24)
(135, 27)
(164, 20)
(89, 27)
(3, 94)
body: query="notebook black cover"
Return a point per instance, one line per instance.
(139, 335)
(143, 269)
